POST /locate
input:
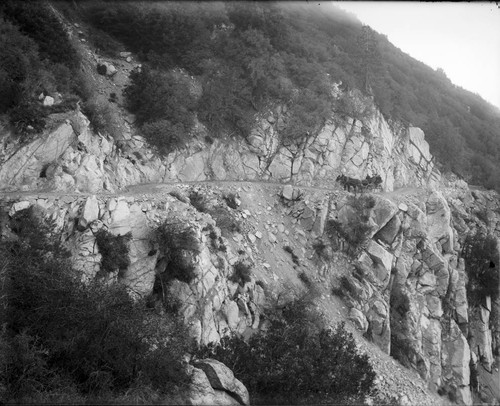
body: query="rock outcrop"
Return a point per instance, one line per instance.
(222, 378)
(405, 289)
(212, 304)
(72, 157)
(399, 155)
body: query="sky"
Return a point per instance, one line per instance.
(462, 38)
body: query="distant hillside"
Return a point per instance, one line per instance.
(248, 55)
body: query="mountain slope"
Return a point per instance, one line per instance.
(298, 47)
(387, 260)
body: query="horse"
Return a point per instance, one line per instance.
(373, 182)
(370, 182)
(348, 182)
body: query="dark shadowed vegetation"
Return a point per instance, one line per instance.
(36, 57)
(114, 250)
(247, 55)
(480, 252)
(297, 360)
(177, 241)
(66, 341)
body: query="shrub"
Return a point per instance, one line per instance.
(295, 258)
(101, 116)
(114, 250)
(479, 252)
(175, 240)
(28, 118)
(104, 43)
(231, 200)
(63, 335)
(37, 20)
(306, 280)
(241, 273)
(225, 220)
(101, 69)
(321, 249)
(198, 201)
(164, 135)
(297, 361)
(356, 230)
(155, 95)
(345, 288)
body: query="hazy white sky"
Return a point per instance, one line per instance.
(461, 38)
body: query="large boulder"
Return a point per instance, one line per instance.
(221, 377)
(27, 163)
(200, 391)
(287, 192)
(48, 101)
(455, 360)
(383, 211)
(106, 68)
(438, 219)
(90, 212)
(388, 233)
(382, 258)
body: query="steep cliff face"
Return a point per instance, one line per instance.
(71, 157)
(407, 291)
(404, 288)
(213, 303)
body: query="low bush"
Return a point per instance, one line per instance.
(101, 116)
(198, 201)
(344, 288)
(306, 280)
(321, 249)
(114, 250)
(294, 256)
(226, 221)
(231, 200)
(104, 43)
(28, 118)
(164, 135)
(297, 360)
(175, 240)
(241, 273)
(355, 232)
(163, 105)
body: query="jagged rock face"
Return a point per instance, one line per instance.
(212, 304)
(72, 157)
(400, 156)
(411, 285)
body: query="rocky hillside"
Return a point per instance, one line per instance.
(388, 261)
(403, 289)
(70, 156)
